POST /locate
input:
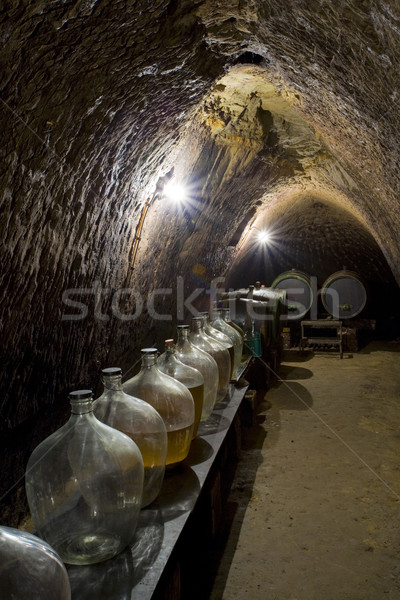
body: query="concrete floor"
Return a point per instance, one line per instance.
(313, 513)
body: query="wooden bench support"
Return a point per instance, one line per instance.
(314, 333)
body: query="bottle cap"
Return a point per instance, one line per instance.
(183, 327)
(149, 351)
(169, 343)
(80, 394)
(111, 371)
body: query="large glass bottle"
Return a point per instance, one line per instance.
(171, 399)
(219, 323)
(84, 485)
(30, 568)
(203, 362)
(222, 338)
(170, 364)
(141, 422)
(227, 317)
(219, 353)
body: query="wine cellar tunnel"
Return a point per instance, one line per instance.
(316, 237)
(274, 116)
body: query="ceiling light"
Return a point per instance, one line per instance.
(263, 236)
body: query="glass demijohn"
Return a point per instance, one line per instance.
(227, 317)
(84, 485)
(30, 568)
(219, 353)
(222, 338)
(171, 399)
(203, 362)
(219, 323)
(141, 422)
(191, 378)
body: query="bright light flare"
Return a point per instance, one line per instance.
(175, 191)
(263, 237)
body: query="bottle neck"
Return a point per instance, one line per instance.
(149, 361)
(169, 359)
(169, 362)
(169, 352)
(197, 325)
(183, 336)
(81, 402)
(81, 407)
(112, 383)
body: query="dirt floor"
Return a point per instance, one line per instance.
(314, 509)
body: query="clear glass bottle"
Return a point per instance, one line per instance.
(219, 323)
(141, 422)
(203, 362)
(227, 317)
(30, 568)
(171, 399)
(219, 353)
(170, 364)
(221, 337)
(84, 485)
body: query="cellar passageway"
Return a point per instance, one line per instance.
(272, 115)
(313, 509)
(297, 239)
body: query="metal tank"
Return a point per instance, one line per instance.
(262, 310)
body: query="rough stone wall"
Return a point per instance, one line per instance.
(341, 59)
(100, 99)
(93, 96)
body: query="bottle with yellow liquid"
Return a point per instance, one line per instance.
(141, 422)
(190, 377)
(190, 355)
(222, 338)
(220, 354)
(218, 322)
(227, 317)
(171, 399)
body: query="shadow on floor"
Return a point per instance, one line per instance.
(227, 536)
(379, 346)
(294, 355)
(289, 372)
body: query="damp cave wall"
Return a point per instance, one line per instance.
(98, 100)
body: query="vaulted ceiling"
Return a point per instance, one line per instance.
(279, 115)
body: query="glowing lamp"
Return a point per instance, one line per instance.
(175, 191)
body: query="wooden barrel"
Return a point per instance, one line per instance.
(299, 292)
(343, 294)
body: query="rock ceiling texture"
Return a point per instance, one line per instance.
(272, 113)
